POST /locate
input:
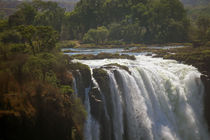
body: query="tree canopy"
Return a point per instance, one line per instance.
(139, 21)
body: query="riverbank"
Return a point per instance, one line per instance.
(110, 45)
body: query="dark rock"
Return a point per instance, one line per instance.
(206, 82)
(117, 65)
(102, 79)
(82, 76)
(96, 104)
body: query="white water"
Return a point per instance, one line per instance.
(160, 100)
(91, 127)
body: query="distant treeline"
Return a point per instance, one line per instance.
(8, 7)
(131, 20)
(128, 21)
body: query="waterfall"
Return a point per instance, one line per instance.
(91, 127)
(156, 99)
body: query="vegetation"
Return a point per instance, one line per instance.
(102, 56)
(108, 22)
(194, 12)
(96, 36)
(35, 78)
(67, 44)
(131, 21)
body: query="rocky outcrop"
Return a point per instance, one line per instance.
(82, 76)
(114, 65)
(206, 82)
(102, 79)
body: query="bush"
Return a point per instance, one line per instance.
(67, 44)
(18, 48)
(98, 36)
(66, 89)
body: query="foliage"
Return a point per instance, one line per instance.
(35, 80)
(203, 24)
(195, 11)
(201, 32)
(98, 36)
(67, 44)
(103, 56)
(10, 37)
(143, 21)
(38, 13)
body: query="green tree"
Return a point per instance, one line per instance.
(203, 24)
(46, 38)
(99, 35)
(115, 31)
(7, 38)
(48, 14)
(164, 16)
(38, 13)
(28, 34)
(39, 38)
(3, 25)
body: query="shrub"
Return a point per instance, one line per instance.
(98, 36)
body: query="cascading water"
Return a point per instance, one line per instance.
(91, 127)
(155, 100)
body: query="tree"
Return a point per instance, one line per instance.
(38, 13)
(29, 13)
(48, 14)
(16, 19)
(10, 36)
(3, 25)
(164, 17)
(145, 21)
(7, 38)
(28, 35)
(46, 38)
(40, 38)
(97, 36)
(115, 31)
(203, 24)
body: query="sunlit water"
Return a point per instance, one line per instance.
(160, 100)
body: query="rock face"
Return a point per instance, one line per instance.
(206, 82)
(82, 75)
(96, 104)
(102, 79)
